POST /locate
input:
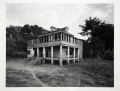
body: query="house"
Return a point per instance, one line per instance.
(56, 44)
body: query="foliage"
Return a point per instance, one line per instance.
(17, 36)
(93, 48)
(86, 49)
(100, 36)
(10, 45)
(108, 55)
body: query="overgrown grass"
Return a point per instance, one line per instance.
(52, 80)
(102, 71)
(92, 72)
(19, 78)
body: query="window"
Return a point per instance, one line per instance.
(55, 36)
(58, 36)
(71, 52)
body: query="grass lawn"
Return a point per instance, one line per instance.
(89, 73)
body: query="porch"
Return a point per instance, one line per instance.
(57, 53)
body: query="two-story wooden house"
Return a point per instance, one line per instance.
(56, 44)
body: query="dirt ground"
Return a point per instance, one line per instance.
(89, 73)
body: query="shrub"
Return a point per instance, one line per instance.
(17, 54)
(108, 55)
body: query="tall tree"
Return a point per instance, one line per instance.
(26, 31)
(100, 34)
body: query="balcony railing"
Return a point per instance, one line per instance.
(54, 37)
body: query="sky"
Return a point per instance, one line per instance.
(57, 15)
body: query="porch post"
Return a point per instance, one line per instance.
(51, 54)
(68, 53)
(44, 54)
(32, 53)
(74, 55)
(60, 55)
(37, 52)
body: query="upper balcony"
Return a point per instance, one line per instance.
(55, 38)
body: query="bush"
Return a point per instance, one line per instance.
(17, 54)
(108, 55)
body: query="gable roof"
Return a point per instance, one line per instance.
(56, 30)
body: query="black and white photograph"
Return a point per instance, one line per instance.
(59, 45)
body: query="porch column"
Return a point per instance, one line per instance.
(60, 55)
(43, 52)
(74, 55)
(78, 54)
(37, 52)
(51, 54)
(32, 52)
(43, 55)
(68, 52)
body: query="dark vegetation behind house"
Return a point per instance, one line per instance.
(100, 41)
(17, 36)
